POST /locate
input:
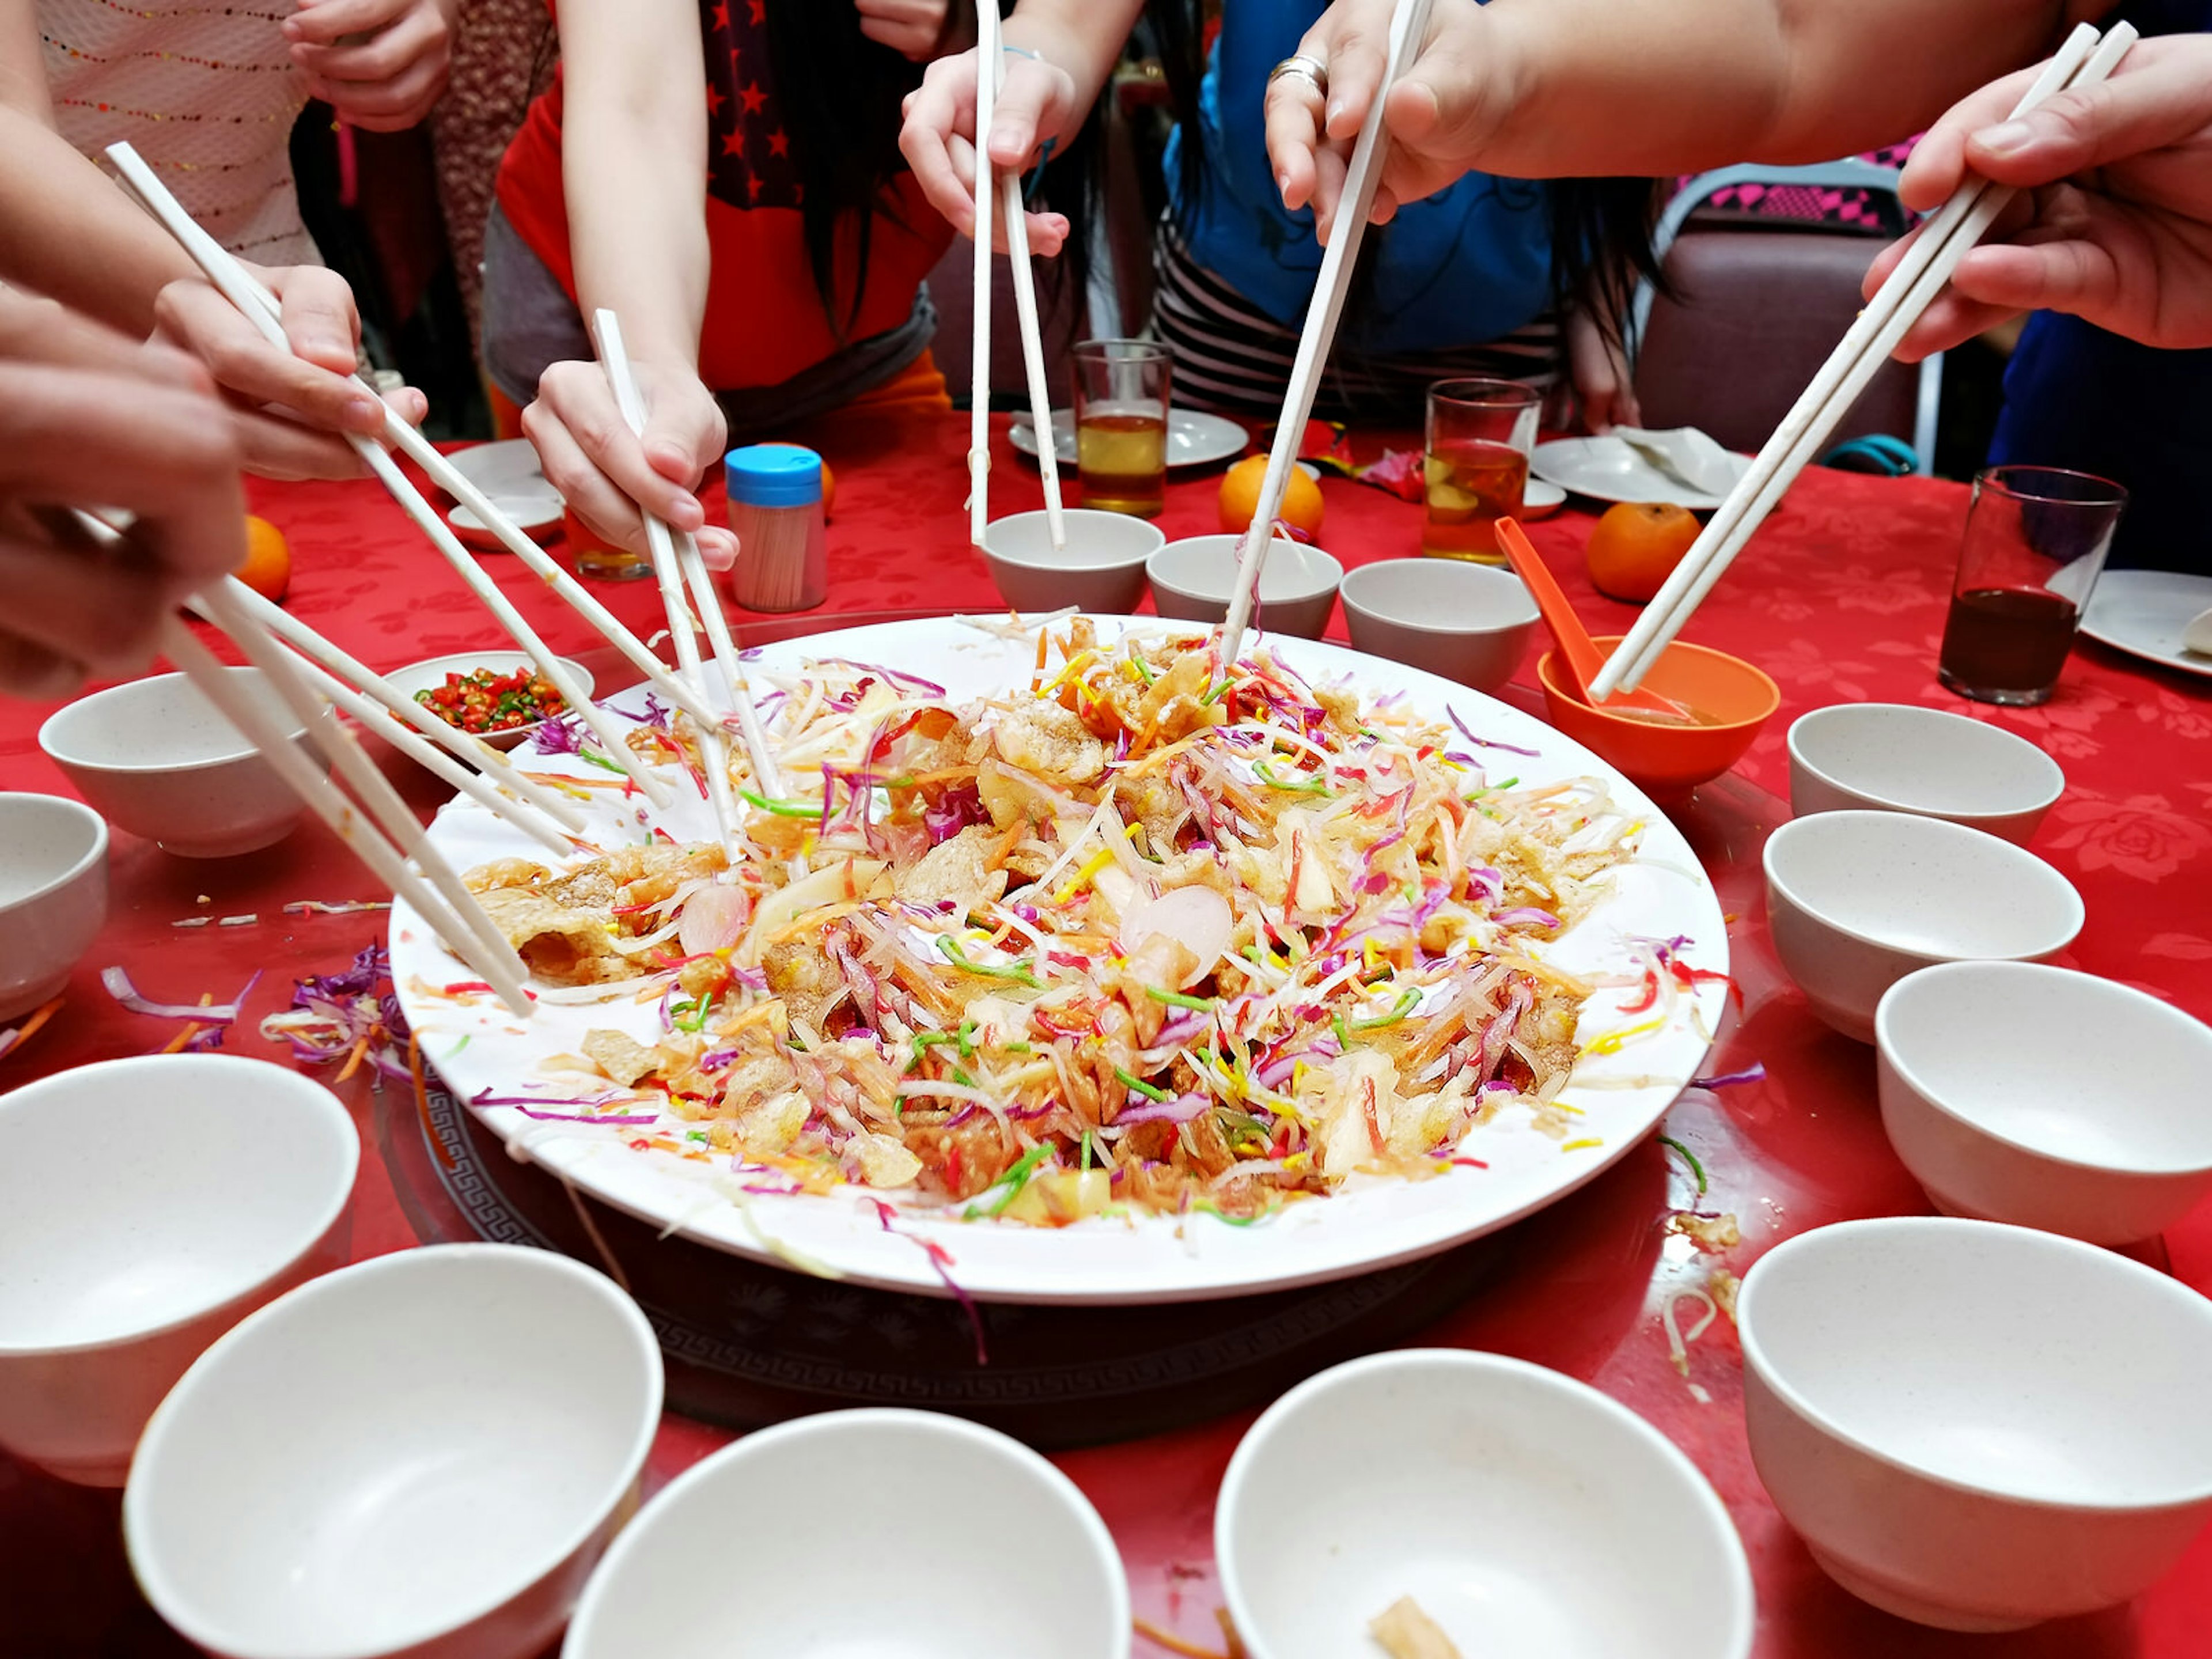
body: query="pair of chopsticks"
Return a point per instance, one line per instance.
(2085, 60)
(990, 69)
(1408, 24)
(389, 836)
(685, 583)
(260, 307)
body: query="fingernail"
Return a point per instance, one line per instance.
(2006, 137)
(1335, 109)
(364, 411)
(1282, 183)
(687, 514)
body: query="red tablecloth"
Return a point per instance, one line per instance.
(1841, 598)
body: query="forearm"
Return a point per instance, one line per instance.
(68, 230)
(634, 168)
(1595, 87)
(1083, 37)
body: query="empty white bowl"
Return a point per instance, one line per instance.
(146, 1206)
(1468, 622)
(430, 673)
(1892, 757)
(2113, 1147)
(1524, 1512)
(1977, 1426)
(1855, 901)
(1101, 570)
(1193, 580)
(814, 1540)
(155, 757)
(53, 895)
(422, 1455)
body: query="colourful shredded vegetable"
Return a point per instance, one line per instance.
(1149, 937)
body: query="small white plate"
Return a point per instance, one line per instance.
(1193, 439)
(431, 672)
(509, 473)
(1538, 497)
(1607, 469)
(2142, 613)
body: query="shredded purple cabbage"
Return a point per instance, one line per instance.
(1485, 742)
(953, 811)
(1754, 1073)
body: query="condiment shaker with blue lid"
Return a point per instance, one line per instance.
(776, 510)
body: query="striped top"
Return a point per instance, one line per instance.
(206, 92)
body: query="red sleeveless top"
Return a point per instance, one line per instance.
(765, 321)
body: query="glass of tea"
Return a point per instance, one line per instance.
(1121, 425)
(595, 558)
(1480, 434)
(2036, 539)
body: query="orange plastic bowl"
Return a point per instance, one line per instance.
(1668, 762)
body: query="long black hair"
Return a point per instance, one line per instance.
(839, 94)
(1601, 228)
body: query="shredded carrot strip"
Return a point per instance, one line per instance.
(353, 1060)
(814, 918)
(1174, 1644)
(176, 1043)
(422, 1100)
(30, 1027)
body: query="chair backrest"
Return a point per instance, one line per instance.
(1760, 309)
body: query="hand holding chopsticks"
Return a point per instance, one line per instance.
(1919, 278)
(1408, 23)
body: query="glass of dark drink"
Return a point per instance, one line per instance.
(2036, 538)
(1475, 466)
(1121, 425)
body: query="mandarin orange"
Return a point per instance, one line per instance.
(1240, 498)
(1635, 546)
(267, 568)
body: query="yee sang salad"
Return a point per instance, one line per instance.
(1139, 936)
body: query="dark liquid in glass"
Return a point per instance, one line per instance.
(2006, 640)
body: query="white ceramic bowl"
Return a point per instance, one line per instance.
(1101, 570)
(1893, 757)
(53, 895)
(1976, 1426)
(1469, 622)
(430, 673)
(814, 1540)
(146, 1206)
(422, 1455)
(2112, 1146)
(1855, 901)
(1524, 1512)
(155, 757)
(1192, 580)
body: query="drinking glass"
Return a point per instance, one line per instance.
(1121, 425)
(1480, 434)
(594, 558)
(2036, 539)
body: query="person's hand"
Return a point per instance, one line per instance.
(88, 418)
(293, 407)
(606, 472)
(2114, 224)
(1440, 112)
(1597, 367)
(379, 64)
(910, 27)
(1035, 98)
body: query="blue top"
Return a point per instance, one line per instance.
(1464, 267)
(773, 475)
(2077, 397)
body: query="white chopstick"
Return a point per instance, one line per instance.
(1408, 23)
(709, 604)
(456, 917)
(1025, 306)
(225, 273)
(1920, 279)
(713, 753)
(979, 406)
(494, 958)
(336, 663)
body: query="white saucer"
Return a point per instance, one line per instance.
(1193, 439)
(2142, 613)
(1607, 469)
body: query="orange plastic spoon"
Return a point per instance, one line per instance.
(1576, 649)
